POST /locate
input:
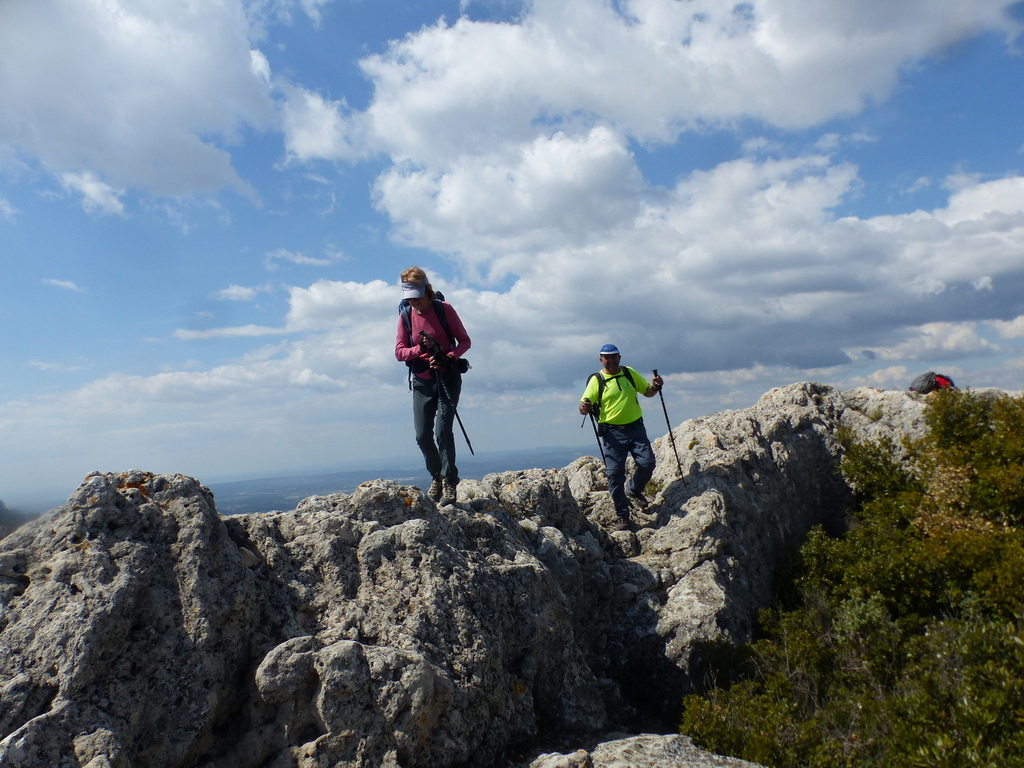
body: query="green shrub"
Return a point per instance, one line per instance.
(901, 642)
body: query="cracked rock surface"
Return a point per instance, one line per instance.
(138, 627)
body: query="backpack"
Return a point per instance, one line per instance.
(931, 381)
(600, 386)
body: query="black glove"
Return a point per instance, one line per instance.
(427, 344)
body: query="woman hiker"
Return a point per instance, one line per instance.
(431, 340)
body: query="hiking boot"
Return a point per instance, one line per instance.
(621, 524)
(435, 489)
(448, 491)
(639, 500)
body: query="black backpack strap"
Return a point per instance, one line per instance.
(404, 311)
(601, 383)
(629, 376)
(601, 380)
(442, 316)
(600, 388)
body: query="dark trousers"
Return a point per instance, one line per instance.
(620, 442)
(433, 409)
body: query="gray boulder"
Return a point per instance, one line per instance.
(126, 623)
(651, 750)
(138, 627)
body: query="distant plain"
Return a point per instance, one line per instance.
(284, 493)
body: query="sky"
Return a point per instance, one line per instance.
(205, 206)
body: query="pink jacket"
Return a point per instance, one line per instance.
(430, 323)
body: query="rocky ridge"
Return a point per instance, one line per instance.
(138, 627)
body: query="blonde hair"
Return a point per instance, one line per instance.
(417, 275)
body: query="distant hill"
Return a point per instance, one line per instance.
(11, 518)
(242, 497)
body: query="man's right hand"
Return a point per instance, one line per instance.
(585, 407)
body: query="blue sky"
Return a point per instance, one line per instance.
(204, 209)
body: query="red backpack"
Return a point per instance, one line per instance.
(931, 381)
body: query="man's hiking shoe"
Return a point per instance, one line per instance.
(448, 491)
(621, 524)
(639, 500)
(435, 489)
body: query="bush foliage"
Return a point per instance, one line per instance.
(901, 643)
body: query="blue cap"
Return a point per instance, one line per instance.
(610, 349)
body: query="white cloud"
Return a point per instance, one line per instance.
(53, 367)
(511, 154)
(737, 267)
(554, 191)
(919, 184)
(283, 254)
(650, 68)
(112, 89)
(97, 197)
(316, 128)
(893, 377)
(940, 341)
(241, 293)
(975, 200)
(7, 211)
(216, 384)
(260, 65)
(510, 140)
(729, 277)
(69, 285)
(983, 218)
(237, 293)
(325, 306)
(1012, 329)
(241, 331)
(330, 304)
(231, 419)
(264, 12)
(746, 262)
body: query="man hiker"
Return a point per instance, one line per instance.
(431, 340)
(611, 397)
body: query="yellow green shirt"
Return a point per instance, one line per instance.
(619, 404)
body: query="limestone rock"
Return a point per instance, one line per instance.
(410, 630)
(125, 626)
(650, 750)
(140, 628)
(754, 481)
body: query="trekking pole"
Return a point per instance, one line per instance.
(593, 421)
(428, 341)
(671, 437)
(448, 397)
(600, 445)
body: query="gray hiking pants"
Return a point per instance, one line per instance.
(434, 417)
